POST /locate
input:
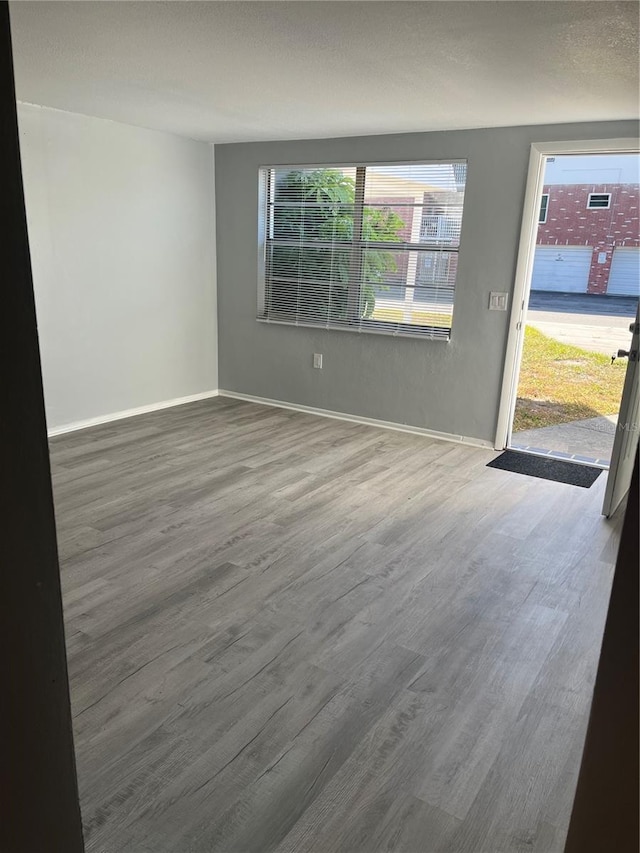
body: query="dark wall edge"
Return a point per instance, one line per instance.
(39, 808)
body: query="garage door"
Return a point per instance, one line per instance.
(564, 269)
(624, 278)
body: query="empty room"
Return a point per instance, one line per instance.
(287, 282)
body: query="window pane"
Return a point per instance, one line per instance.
(422, 203)
(599, 200)
(415, 287)
(312, 204)
(307, 281)
(544, 204)
(320, 264)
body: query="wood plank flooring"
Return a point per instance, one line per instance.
(289, 633)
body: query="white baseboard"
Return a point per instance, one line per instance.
(129, 413)
(343, 416)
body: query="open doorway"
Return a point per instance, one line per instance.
(584, 291)
(575, 308)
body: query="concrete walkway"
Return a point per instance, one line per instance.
(589, 440)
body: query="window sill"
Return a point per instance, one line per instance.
(423, 333)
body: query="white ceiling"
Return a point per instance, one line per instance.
(240, 71)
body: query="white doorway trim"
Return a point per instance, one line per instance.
(540, 151)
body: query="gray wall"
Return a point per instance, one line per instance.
(451, 387)
(121, 230)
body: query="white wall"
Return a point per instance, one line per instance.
(122, 237)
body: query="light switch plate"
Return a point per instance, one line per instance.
(317, 360)
(498, 301)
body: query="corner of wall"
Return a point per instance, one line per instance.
(214, 263)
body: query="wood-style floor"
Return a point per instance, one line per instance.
(289, 633)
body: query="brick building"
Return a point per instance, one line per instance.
(589, 232)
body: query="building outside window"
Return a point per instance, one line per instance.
(369, 248)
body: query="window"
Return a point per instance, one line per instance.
(598, 200)
(544, 206)
(361, 248)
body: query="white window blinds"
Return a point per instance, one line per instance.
(367, 248)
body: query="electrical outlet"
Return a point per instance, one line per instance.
(317, 360)
(498, 301)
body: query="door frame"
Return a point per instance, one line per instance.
(625, 442)
(540, 151)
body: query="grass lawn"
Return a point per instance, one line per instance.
(418, 318)
(560, 383)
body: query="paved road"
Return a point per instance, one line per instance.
(582, 303)
(595, 323)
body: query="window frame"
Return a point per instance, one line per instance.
(542, 221)
(606, 206)
(352, 324)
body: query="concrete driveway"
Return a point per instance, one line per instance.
(595, 323)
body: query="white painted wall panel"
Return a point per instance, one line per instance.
(121, 231)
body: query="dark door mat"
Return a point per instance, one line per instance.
(546, 468)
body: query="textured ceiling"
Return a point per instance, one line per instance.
(239, 71)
